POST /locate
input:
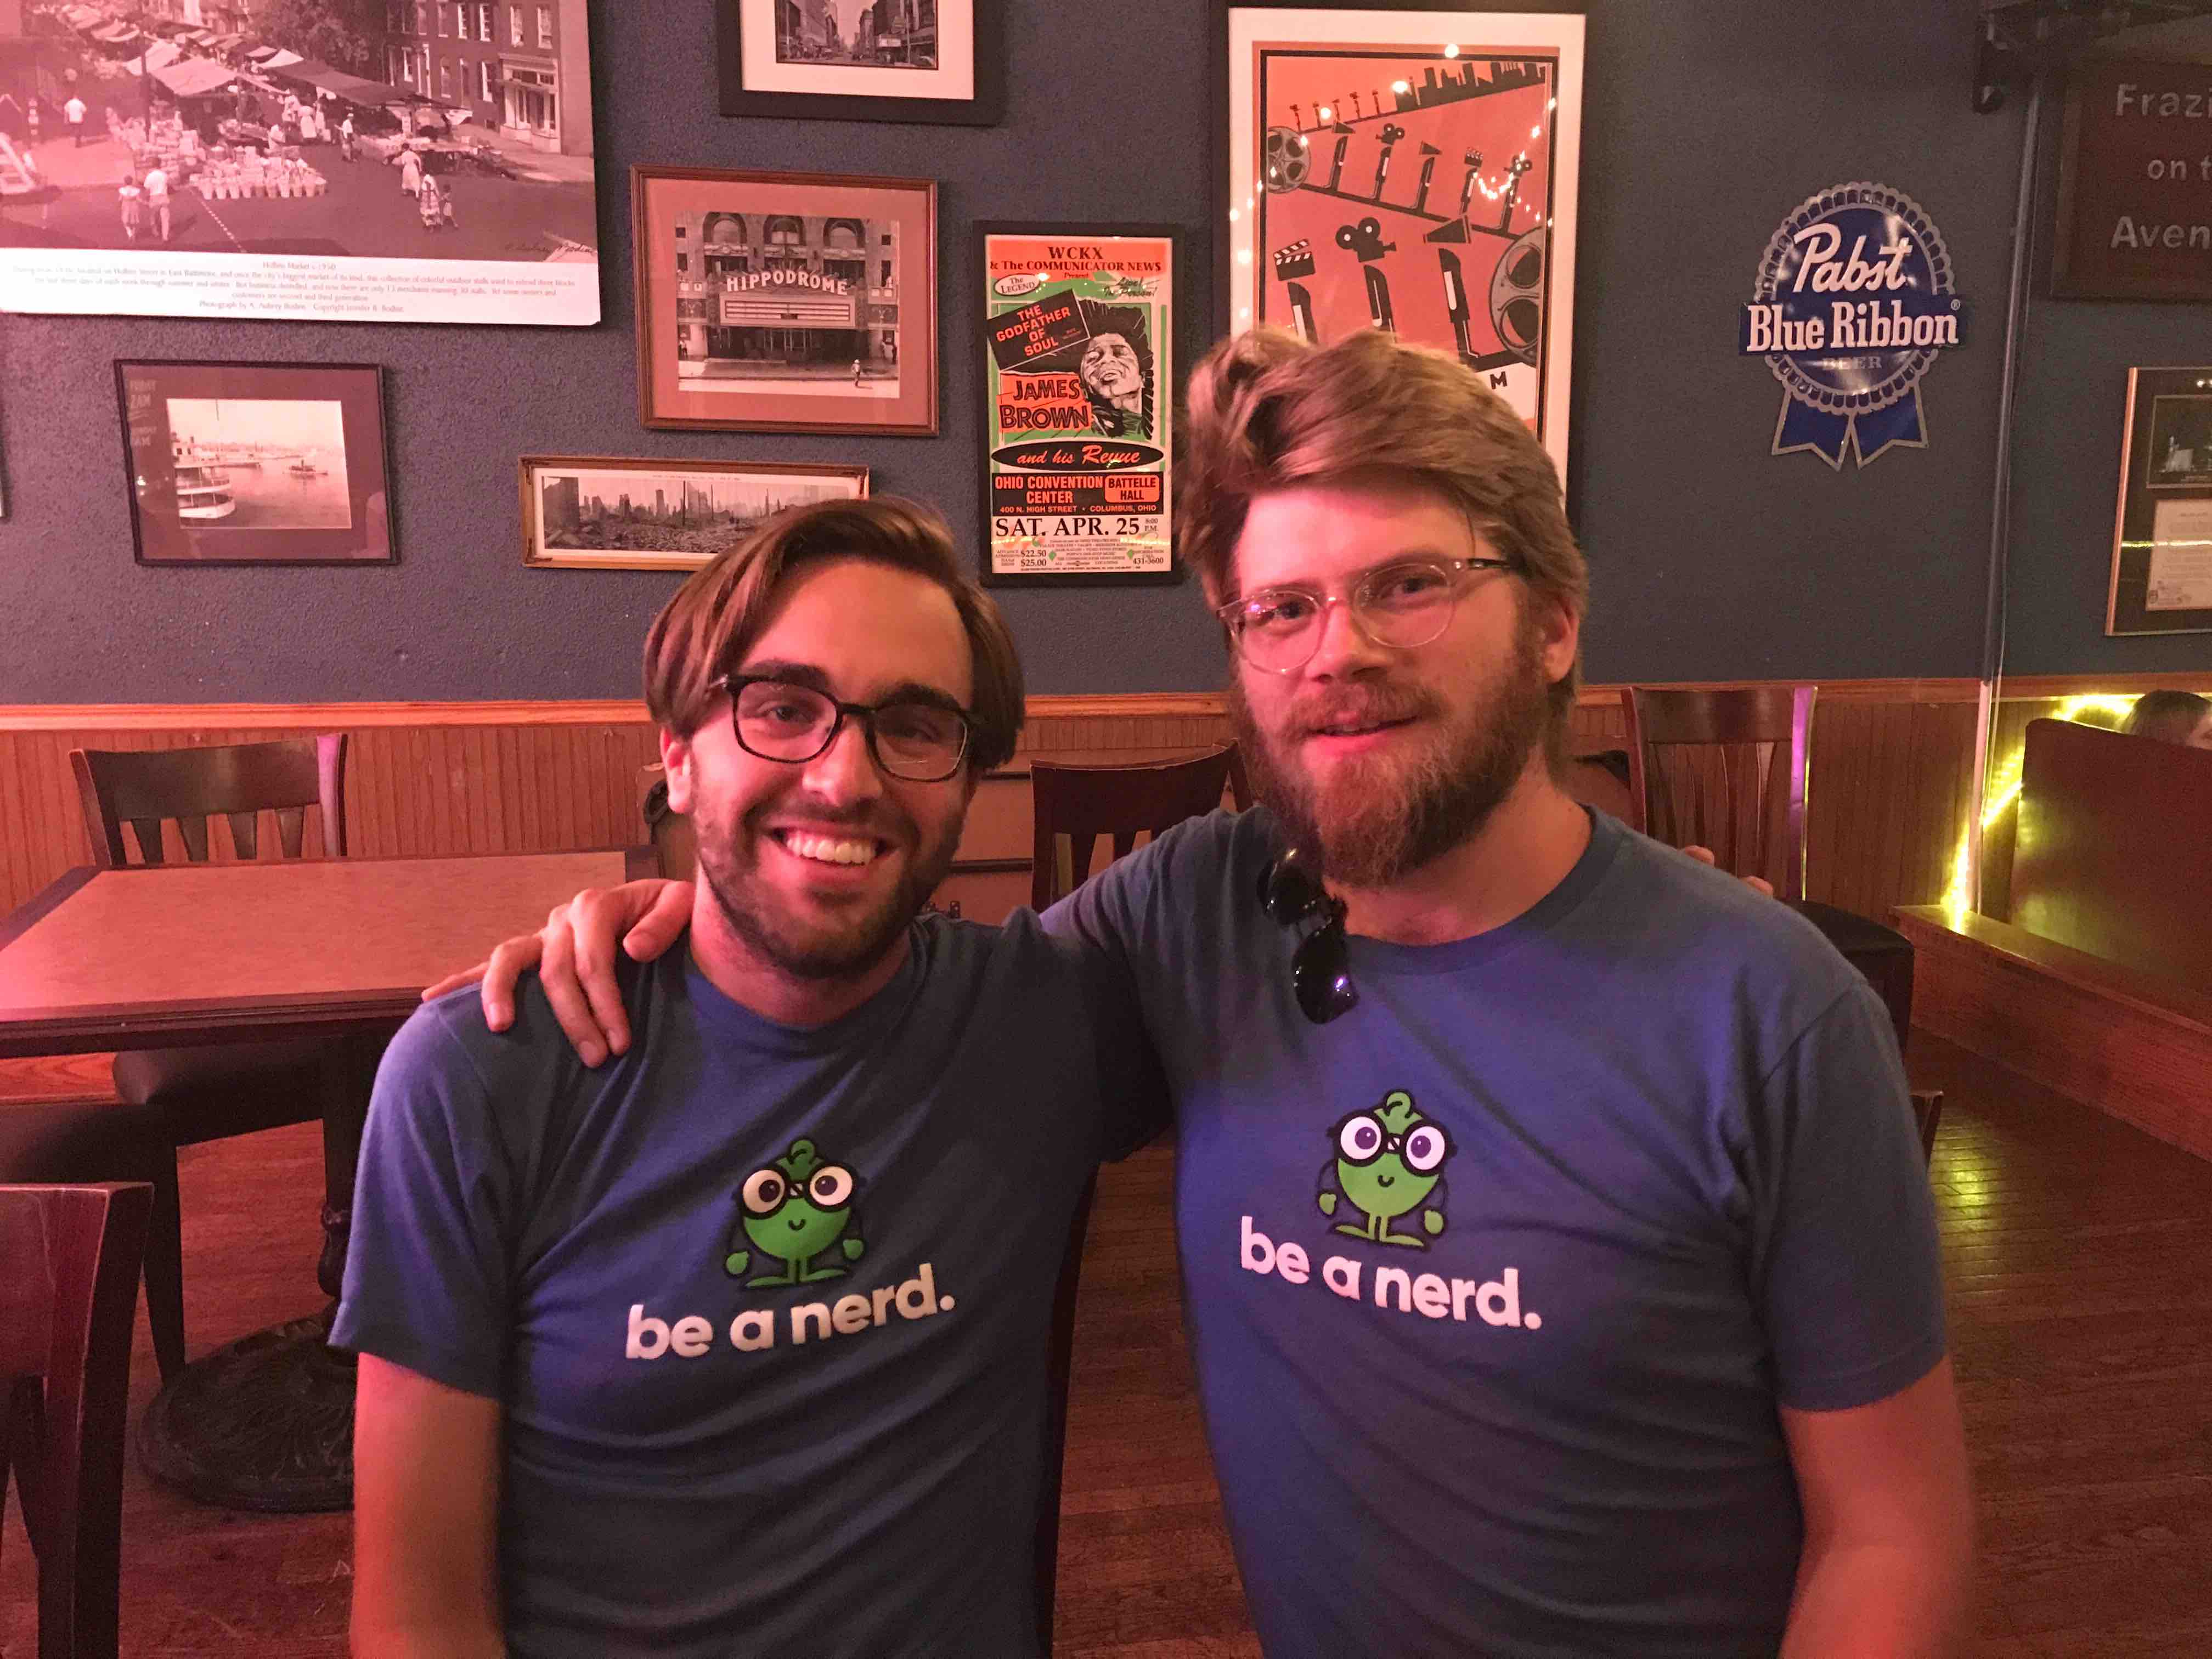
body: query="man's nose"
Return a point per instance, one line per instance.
(845, 772)
(1345, 648)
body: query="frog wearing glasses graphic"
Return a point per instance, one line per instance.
(1388, 1162)
(793, 1211)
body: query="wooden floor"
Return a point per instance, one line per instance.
(2080, 1256)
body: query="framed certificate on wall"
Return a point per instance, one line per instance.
(2162, 542)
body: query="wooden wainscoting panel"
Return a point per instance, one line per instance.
(1892, 770)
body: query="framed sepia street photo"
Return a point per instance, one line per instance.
(2161, 579)
(438, 168)
(786, 301)
(1407, 167)
(1078, 394)
(256, 463)
(938, 61)
(613, 512)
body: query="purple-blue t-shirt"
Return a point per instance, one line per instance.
(767, 1309)
(1495, 1284)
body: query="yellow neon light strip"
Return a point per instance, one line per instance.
(2004, 792)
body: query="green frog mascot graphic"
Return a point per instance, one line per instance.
(793, 1211)
(1388, 1164)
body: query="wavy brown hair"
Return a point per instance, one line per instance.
(704, 632)
(1268, 411)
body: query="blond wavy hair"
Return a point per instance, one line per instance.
(1268, 411)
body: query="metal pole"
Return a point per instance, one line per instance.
(1993, 615)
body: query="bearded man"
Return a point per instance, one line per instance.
(738, 1345)
(1612, 1322)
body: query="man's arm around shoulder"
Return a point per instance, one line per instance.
(426, 1518)
(1889, 1526)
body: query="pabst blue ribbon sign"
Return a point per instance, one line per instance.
(1854, 304)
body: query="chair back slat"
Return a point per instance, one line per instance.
(1728, 769)
(1086, 802)
(291, 829)
(149, 832)
(68, 1303)
(189, 787)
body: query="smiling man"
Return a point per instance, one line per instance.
(1560, 1267)
(738, 1346)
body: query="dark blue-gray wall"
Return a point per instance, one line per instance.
(1705, 126)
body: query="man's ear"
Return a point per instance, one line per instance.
(1561, 631)
(677, 759)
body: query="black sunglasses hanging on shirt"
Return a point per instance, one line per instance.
(1320, 968)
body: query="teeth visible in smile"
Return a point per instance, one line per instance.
(823, 850)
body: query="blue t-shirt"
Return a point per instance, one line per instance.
(767, 1309)
(1495, 1283)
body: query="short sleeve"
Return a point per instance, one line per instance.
(1100, 918)
(427, 1278)
(1845, 1255)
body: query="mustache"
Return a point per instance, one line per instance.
(1358, 705)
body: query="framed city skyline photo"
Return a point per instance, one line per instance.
(1410, 169)
(617, 513)
(256, 463)
(2161, 581)
(786, 301)
(937, 61)
(1078, 395)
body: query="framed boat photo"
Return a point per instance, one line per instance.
(256, 463)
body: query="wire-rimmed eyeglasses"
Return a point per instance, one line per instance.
(1402, 605)
(1320, 968)
(777, 720)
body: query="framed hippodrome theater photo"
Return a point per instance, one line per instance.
(256, 463)
(2162, 580)
(1407, 169)
(937, 61)
(786, 301)
(617, 513)
(1078, 394)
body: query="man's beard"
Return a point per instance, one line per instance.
(847, 948)
(1377, 819)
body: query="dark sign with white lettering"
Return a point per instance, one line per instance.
(2135, 183)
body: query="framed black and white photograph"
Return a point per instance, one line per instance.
(786, 301)
(938, 61)
(438, 169)
(2161, 581)
(256, 463)
(615, 513)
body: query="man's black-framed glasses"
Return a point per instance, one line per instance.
(1320, 967)
(778, 720)
(1401, 604)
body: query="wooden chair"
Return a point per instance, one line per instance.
(68, 1299)
(175, 1097)
(1731, 769)
(1086, 802)
(1728, 769)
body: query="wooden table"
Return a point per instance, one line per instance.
(184, 954)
